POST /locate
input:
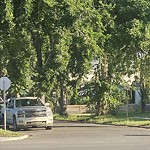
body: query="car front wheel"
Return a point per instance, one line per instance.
(48, 127)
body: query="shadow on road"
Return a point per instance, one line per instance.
(137, 135)
(61, 124)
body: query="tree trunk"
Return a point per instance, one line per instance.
(62, 100)
(142, 88)
(98, 111)
(37, 42)
(102, 71)
(143, 100)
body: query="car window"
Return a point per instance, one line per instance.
(28, 102)
(10, 104)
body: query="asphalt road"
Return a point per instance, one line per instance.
(78, 136)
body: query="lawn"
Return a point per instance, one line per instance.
(133, 119)
(8, 133)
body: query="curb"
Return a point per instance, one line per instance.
(2, 139)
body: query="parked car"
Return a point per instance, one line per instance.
(28, 112)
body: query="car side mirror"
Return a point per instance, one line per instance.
(47, 105)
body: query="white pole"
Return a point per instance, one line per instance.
(4, 105)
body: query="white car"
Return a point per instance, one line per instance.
(28, 112)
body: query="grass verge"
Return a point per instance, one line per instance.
(134, 119)
(7, 133)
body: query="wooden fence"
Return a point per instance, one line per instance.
(76, 109)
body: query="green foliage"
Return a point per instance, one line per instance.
(48, 45)
(131, 40)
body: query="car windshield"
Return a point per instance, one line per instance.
(28, 102)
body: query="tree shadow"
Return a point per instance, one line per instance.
(137, 135)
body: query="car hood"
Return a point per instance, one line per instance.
(33, 108)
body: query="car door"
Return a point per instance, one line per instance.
(9, 111)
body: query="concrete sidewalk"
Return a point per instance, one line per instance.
(2, 139)
(144, 118)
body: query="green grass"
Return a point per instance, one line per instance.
(134, 119)
(7, 133)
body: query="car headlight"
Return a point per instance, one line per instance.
(48, 112)
(21, 113)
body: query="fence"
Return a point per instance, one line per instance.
(81, 109)
(76, 109)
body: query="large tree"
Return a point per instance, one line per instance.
(131, 41)
(48, 45)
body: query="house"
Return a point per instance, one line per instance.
(134, 94)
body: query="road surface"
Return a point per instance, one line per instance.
(81, 136)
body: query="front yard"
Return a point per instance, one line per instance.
(134, 119)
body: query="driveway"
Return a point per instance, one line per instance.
(82, 136)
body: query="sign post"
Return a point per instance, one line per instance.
(4, 85)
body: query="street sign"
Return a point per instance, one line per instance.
(5, 83)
